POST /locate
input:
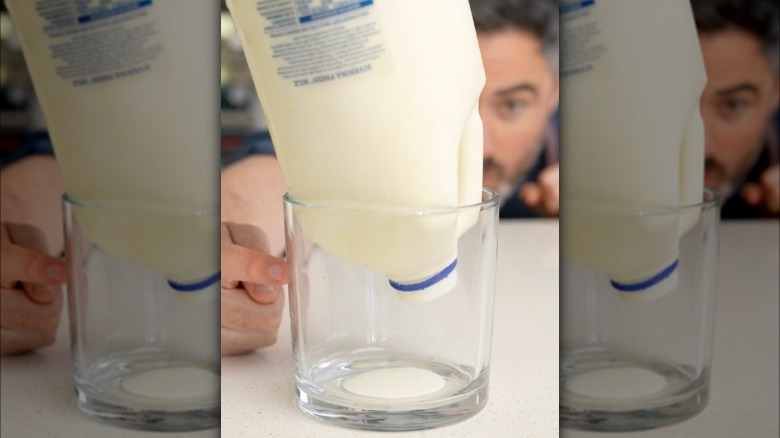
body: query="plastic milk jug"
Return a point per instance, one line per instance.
(124, 90)
(374, 103)
(632, 138)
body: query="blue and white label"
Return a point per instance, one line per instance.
(582, 43)
(90, 10)
(327, 9)
(567, 7)
(319, 41)
(98, 41)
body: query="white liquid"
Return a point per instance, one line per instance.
(618, 383)
(403, 382)
(634, 136)
(133, 124)
(401, 132)
(173, 383)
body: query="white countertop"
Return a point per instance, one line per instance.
(258, 389)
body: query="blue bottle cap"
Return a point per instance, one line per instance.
(428, 288)
(651, 288)
(643, 285)
(195, 286)
(426, 283)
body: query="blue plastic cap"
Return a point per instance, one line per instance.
(648, 283)
(197, 286)
(428, 282)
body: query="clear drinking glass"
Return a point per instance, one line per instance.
(380, 353)
(636, 356)
(145, 344)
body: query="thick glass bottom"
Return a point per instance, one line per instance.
(608, 391)
(390, 394)
(152, 391)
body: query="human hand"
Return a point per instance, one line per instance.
(30, 293)
(766, 193)
(252, 294)
(543, 195)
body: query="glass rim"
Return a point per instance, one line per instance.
(136, 206)
(490, 199)
(711, 199)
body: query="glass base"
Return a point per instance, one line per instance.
(147, 390)
(606, 391)
(391, 394)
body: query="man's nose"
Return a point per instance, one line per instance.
(709, 142)
(488, 148)
(709, 132)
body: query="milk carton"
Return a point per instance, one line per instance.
(632, 138)
(374, 104)
(126, 93)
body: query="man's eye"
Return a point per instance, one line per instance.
(511, 108)
(513, 105)
(732, 109)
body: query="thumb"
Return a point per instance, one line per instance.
(246, 265)
(531, 194)
(261, 293)
(43, 293)
(752, 194)
(770, 183)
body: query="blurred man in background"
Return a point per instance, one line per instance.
(518, 40)
(739, 43)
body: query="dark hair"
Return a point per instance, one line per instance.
(536, 17)
(758, 17)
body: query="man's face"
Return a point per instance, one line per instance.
(737, 104)
(520, 94)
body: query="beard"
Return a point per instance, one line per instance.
(494, 177)
(716, 178)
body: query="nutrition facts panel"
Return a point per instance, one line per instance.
(97, 41)
(317, 41)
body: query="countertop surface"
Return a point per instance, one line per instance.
(258, 389)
